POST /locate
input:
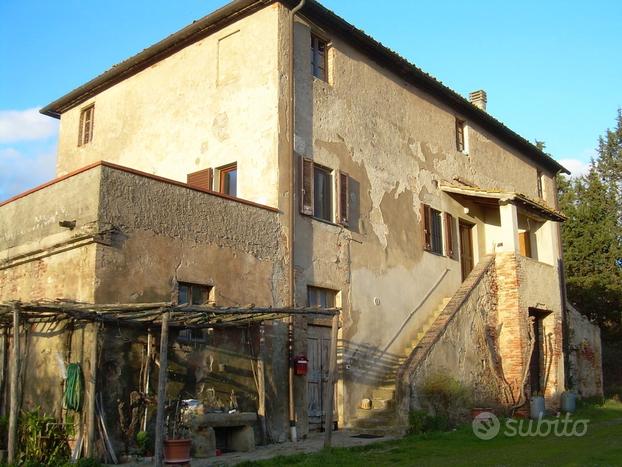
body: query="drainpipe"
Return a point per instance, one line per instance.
(292, 220)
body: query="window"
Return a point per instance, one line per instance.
(201, 179)
(228, 180)
(318, 57)
(87, 119)
(524, 243)
(432, 230)
(460, 135)
(539, 182)
(193, 294)
(324, 193)
(320, 297)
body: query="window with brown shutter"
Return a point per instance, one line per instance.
(539, 185)
(449, 235)
(460, 146)
(87, 120)
(432, 230)
(343, 198)
(203, 179)
(228, 179)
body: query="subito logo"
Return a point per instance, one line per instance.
(486, 426)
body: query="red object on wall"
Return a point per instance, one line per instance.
(301, 364)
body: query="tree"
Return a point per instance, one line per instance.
(592, 235)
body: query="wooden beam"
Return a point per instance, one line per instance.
(90, 410)
(162, 377)
(332, 373)
(13, 408)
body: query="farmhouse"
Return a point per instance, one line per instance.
(270, 157)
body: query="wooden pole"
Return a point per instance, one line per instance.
(90, 411)
(147, 376)
(13, 412)
(261, 386)
(330, 387)
(162, 377)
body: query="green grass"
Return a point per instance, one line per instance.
(601, 446)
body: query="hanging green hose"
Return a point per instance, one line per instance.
(74, 387)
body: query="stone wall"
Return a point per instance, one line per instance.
(585, 355)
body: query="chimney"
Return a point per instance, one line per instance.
(478, 99)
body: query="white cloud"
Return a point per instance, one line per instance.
(577, 167)
(25, 125)
(19, 173)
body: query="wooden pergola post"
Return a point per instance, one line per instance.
(332, 373)
(90, 410)
(162, 377)
(13, 408)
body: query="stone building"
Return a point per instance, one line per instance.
(432, 225)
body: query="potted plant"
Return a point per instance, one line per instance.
(178, 443)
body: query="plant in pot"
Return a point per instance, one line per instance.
(177, 443)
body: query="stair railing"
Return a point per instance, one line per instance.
(412, 313)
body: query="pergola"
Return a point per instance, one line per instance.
(147, 316)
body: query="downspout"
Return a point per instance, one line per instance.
(292, 221)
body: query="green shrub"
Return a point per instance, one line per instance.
(448, 398)
(143, 442)
(416, 421)
(42, 440)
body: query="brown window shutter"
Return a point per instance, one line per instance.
(449, 235)
(306, 186)
(203, 179)
(524, 244)
(427, 232)
(343, 198)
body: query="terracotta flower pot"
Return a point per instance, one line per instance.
(177, 451)
(476, 411)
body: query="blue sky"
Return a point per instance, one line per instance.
(552, 69)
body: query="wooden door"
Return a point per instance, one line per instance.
(318, 350)
(466, 248)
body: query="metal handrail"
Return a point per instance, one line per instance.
(423, 300)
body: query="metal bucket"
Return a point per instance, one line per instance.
(569, 402)
(536, 407)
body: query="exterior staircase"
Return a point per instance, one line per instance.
(379, 417)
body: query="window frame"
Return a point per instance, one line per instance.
(191, 335)
(339, 186)
(84, 136)
(222, 173)
(331, 296)
(540, 184)
(329, 206)
(461, 135)
(316, 41)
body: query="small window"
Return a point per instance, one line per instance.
(322, 193)
(432, 230)
(460, 137)
(193, 294)
(318, 57)
(524, 243)
(228, 180)
(320, 297)
(87, 120)
(539, 182)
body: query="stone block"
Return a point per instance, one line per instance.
(242, 439)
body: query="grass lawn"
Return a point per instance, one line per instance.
(601, 445)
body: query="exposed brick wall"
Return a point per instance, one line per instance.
(512, 319)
